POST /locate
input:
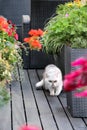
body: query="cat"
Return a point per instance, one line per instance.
(52, 80)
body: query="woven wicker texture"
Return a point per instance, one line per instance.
(77, 106)
(42, 10)
(13, 10)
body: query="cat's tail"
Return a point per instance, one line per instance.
(39, 84)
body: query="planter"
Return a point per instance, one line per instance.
(34, 59)
(76, 106)
(37, 60)
(42, 10)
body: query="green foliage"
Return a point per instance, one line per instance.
(4, 96)
(10, 56)
(67, 27)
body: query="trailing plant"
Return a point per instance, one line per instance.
(10, 54)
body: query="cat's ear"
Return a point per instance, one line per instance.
(56, 74)
(45, 75)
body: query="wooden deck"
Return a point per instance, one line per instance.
(36, 107)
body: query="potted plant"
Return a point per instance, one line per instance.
(10, 55)
(66, 35)
(67, 28)
(36, 57)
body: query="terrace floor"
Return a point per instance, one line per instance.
(36, 107)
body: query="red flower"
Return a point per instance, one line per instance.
(3, 24)
(9, 22)
(40, 32)
(27, 40)
(34, 39)
(69, 85)
(34, 32)
(36, 44)
(16, 36)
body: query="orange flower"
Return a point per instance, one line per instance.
(40, 32)
(3, 24)
(36, 44)
(34, 32)
(30, 39)
(33, 40)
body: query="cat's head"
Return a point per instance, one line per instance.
(51, 81)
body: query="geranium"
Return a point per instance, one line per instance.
(77, 80)
(9, 51)
(34, 39)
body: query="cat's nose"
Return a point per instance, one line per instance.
(53, 86)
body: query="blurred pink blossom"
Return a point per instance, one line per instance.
(29, 127)
(77, 78)
(81, 94)
(66, 15)
(80, 61)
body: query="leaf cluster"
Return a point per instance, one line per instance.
(67, 27)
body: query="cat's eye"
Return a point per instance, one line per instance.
(50, 81)
(55, 81)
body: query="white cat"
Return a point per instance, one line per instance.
(52, 80)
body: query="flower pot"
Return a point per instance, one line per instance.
(76, 106)
(37, 59)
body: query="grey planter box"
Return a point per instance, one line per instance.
(37, 60)
(76, 106)
(41, 11)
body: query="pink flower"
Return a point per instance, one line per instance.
(69, 85)
(73, 74)
(77, 78)
(80, 61)
(66, 15)
(16, 36)
(81, 94)
(28, 127)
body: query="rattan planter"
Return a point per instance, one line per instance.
(76, 106)
(37, 60)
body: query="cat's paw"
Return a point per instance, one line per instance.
(52, 93)
(37, 85)
(57, 93)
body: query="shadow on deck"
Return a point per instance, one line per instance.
(36, 107)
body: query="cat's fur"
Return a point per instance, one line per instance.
(52, 80)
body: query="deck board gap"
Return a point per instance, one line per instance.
(48, 102)
(66, 113)
(75, 122)
(11, 108)
(35, 101)
(84, 121)
(22, 97)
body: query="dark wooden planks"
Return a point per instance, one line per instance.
(18, 116)
(5, 117)
(37, 107)
(29, 101)
(46, 116)
(77, 123)
(57, 110)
